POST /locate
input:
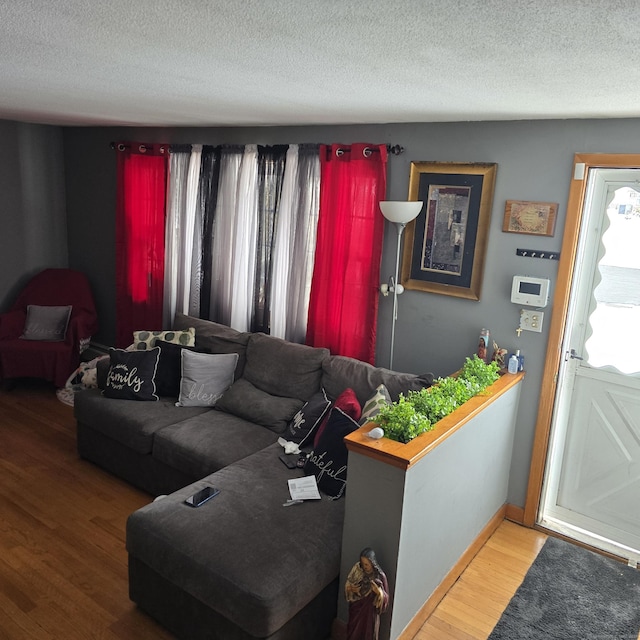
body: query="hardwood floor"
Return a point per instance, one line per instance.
(474, 604)
(63, 565)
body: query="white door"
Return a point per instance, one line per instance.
(591, 490)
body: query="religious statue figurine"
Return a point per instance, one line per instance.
(367, 593)
(499, 355)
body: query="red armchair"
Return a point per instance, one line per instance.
(49, 360)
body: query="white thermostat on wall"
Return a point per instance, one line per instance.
(530, 291)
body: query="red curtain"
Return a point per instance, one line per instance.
(343, 305)
(142, 179)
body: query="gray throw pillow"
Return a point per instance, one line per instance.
(205, 377)
(216, 338)
(46, 323)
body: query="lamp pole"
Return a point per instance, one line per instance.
(400, 227)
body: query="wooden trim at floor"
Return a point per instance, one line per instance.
(428, 607)
(515, 514)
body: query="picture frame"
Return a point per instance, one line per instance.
(532, 218)
(445, 246)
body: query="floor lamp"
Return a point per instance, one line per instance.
(400, 213)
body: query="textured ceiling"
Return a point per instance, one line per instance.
(275, 62)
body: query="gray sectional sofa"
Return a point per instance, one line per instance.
(243, 565)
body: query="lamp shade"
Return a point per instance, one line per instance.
(400, 211)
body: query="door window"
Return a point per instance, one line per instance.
(614, 339)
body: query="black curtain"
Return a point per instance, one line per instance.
(207, 198)
(271, 165)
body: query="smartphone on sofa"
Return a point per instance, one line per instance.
(202, 496)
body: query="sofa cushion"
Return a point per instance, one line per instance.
(131, 374)
(205, 377)
(256, 581)
(247, 401)
(340, 372)
(205, 443)
(284, 368)
(216, 338)
(303, 425)
(328, 461)
(128, 422)
(144, 340)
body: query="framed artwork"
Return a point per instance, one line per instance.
(535, 218)
(445, 246)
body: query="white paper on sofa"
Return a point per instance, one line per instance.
(304, 488)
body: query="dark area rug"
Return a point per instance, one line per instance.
(571, 593)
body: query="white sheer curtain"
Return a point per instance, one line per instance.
(223, 235)
(244, 241)
(190, 272)
(176, 196)
(284, 239)
(194, 235)
(303, 250)
(183, 237)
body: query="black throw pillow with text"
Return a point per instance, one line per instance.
(131, 374)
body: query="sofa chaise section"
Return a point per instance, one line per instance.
(243, 560)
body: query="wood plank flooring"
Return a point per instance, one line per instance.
(474, 604)
(63, 565)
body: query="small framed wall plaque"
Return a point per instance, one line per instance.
(533, 218)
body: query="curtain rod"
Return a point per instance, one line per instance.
(142, 147)
(394, 150)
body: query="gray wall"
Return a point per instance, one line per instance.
(434, 332)
(32, 206)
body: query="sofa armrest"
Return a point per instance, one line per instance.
(82, 325)
(12, 324)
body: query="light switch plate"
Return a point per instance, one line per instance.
(531, 320)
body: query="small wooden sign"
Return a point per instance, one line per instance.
(534, 218)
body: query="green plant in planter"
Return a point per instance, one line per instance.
(478, 371)
(401, 422)
(420, 410)
(438, 401)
